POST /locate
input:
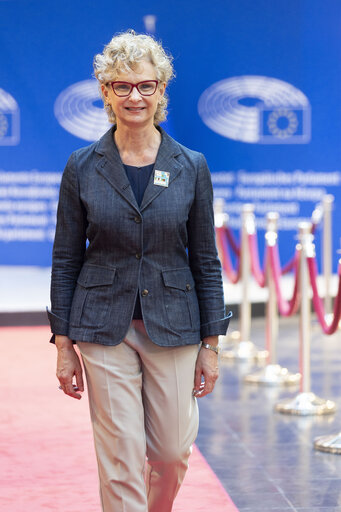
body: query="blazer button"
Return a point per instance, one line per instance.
(188, 287)
(144, 293)
(138, 220)
(138, 255)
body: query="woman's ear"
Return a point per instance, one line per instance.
(162, 88)
(104, 90)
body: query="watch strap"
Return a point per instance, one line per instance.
(211, 347)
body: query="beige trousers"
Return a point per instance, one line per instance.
(141, 403)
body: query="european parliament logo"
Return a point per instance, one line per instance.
(77, 111)
(257, 110)
(9, 120)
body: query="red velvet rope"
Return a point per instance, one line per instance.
(232, 241)
(258, 273)
(230, 272)
(286, 308)
(317, 302)
(288, 267)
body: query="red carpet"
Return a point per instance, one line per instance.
(46, 448)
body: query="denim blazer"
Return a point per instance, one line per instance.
(107, 249)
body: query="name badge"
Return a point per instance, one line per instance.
(161, 178)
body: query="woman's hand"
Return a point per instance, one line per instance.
(206, 369)
(68, 365)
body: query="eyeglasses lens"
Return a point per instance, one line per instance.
(146, 88)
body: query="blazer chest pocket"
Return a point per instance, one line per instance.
(180, 299)
(93, 296)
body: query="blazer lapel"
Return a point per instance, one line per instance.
(111, 168)
(165, 161)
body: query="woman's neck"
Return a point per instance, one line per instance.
(137, 146)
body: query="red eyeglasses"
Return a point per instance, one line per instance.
(145, 88)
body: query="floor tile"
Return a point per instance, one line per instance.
(264, 459)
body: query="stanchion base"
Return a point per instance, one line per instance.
(306, 404)
(245, 350)
(229, 341)
(330, 444)
(273, 375)
(231, 337)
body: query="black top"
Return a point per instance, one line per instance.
(139, 178)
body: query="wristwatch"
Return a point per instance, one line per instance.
(211, 347)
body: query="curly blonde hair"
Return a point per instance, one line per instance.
(124, 51)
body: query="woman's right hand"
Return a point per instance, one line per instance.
(68, 365)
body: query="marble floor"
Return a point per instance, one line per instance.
(265, 459)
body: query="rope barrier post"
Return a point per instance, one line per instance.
(245, 305)
(317, 216)
(305, 403)
(327, 203)
(273, 374)
(232, 338)
(245, 348)
(271, 307)
(220, 220)
(329, 443)
(219, 215)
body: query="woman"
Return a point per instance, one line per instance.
(136, 283)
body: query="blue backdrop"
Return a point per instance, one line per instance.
(257, 91)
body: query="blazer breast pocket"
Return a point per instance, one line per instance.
(180, 299)
(93, 296)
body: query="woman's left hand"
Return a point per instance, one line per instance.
(206, 371)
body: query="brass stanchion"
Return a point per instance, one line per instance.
(220, 220)
(272, 374)
(305, 403)
(245, 349)
(329, 443)
(327, 204)
(220, 216)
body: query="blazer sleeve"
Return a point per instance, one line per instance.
(203, 257)
(68, 249)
